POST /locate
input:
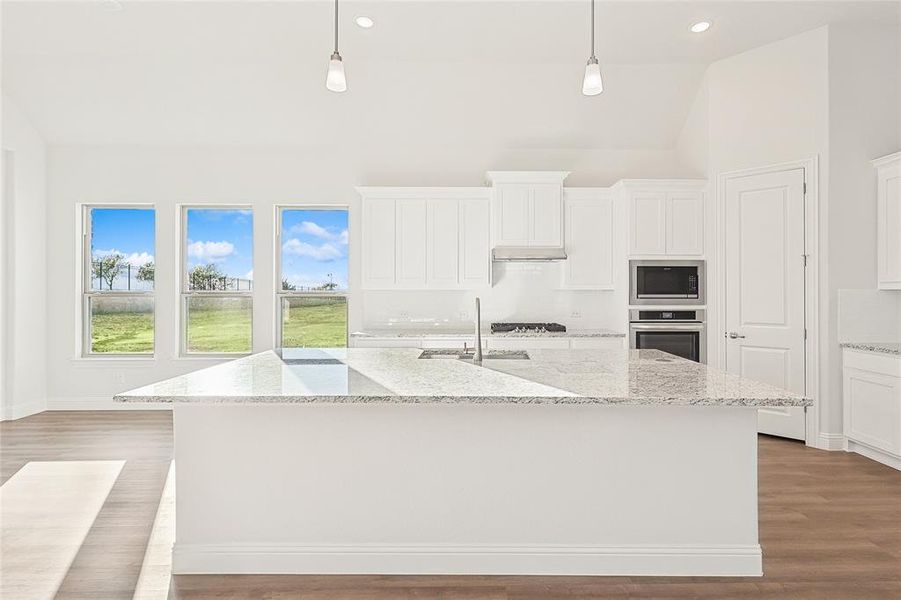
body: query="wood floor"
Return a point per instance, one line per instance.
(830, 527)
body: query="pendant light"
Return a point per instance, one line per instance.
(592, 85)
(335, 80)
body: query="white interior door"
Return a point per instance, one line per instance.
(764, 280)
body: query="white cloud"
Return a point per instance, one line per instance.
(210, 251)
(342, 238)
(135, 259)
(249, 274)
(316, 230)
(323, 252)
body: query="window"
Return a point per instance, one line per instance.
(313, 272)
(217, 280)
(118, 280)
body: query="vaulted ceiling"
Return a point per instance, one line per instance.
(449, 73)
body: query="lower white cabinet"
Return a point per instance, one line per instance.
(528, 343)
(386, 342)
(597, 343)
(490, 343)
(872, 405)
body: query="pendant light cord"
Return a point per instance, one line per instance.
(336, 24)
(592, 27)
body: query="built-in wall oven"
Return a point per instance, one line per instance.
(666, 282)
(682, 332)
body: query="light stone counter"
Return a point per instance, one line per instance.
(443, 332)
(877, 347)
(398, 376)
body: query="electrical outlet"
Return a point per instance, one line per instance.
(576, 314)
(404, 316)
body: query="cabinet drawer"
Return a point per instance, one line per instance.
(446, 342)
(595, 343)
(386, 343)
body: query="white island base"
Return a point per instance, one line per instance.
(466, 489)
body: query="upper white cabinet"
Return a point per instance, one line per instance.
(589, 239)
(426, 238)
(666, 217)
(528, 207)
(888, 208)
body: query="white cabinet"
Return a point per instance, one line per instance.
(528, 207)
(666, 217)
(385, 342)
(597, 343)
(871, 398)
(888, 209)
(588, 225)
(378, 243)
(426, 238)
(524, 343)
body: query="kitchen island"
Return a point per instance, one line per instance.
(572, 462)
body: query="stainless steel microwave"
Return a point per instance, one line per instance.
(666, 282)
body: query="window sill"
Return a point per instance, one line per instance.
(208, 357)
(149, 359)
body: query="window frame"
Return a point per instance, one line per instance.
(185, 294)
(88, 293)
(282, 294)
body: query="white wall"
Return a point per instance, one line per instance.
(23, 259)
(265, 178)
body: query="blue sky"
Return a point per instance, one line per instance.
(223, 237)
(314, 244)
(126, 231)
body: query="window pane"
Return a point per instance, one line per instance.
(122, 246)
(314, 250)
(121, 324)
(314, 322)
(220, 249)
(218, 324)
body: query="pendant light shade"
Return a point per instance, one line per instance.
(592, 84)
(335, 79)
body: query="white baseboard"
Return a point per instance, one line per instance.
(875, 454)
(831, 441)
(101, 403)
(19, 411)
(743, 561)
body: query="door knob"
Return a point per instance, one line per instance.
(734, 336)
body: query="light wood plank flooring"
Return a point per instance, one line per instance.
(830, 527)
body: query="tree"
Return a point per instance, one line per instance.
(331, 285)
(206, 278)
(146, 271)
(108, 268)
(288, 286)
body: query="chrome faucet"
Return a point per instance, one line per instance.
(477, 357)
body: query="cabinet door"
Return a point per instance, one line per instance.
(411, 243)
(685, 223)
(589, 244)
(475, 241)
(378, 243)
(546, 214)
(872, 409)
(889, 226)
(443, 243)
(598, 343)
(512, 215)
(647, 226)
(524, 343)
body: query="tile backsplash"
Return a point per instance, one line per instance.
(869, 316)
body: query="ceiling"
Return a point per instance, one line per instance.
(429, 72)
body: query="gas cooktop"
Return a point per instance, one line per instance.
(527, 328)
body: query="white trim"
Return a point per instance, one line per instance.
(884, 160)
(101, 403)
(18, 411)
(415, 559)
(811, 285)
(421, 192)
(831, 441)
(879, 456)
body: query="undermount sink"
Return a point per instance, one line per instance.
(487, 355)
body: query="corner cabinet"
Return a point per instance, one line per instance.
(666, 217)
(528, 207)
(888, 210)
(426, 238)
(589, 239)
(871, 399)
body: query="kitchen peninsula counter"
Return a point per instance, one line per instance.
(574, 462)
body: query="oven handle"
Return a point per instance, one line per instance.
(668, 326)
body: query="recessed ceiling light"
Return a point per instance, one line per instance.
(364, 22)
(700, 27)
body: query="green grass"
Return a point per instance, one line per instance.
(122, 332)
(309, 322)
(315, 323)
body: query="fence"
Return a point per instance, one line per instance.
(125, 278)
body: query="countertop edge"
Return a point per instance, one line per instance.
(887, 348)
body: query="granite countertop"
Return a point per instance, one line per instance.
(878, 347)
(398, 376)
(425, 332)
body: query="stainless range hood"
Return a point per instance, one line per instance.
(527, 254)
